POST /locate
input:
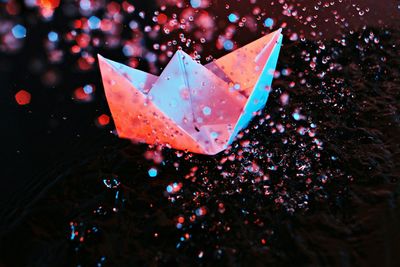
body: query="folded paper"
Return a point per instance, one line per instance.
(190, 106)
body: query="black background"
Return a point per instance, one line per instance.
(54, 132)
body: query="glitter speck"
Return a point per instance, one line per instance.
(94, 22)
(53, 36)
(228, 45)
(88, 89)
(153, 172)
(85, 4)
(269, 22)
(233, 17)
(19, 31)
(23, 97)
(296, 116)
(201, 211)
(201, 253)
(103, 120)
(195, 3)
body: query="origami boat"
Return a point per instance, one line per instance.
(190, 106)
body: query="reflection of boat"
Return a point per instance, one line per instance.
(190, 106)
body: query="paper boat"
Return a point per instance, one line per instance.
(190, 106)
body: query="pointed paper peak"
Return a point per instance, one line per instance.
(184, 56)
(243, 66)
(141, 80)
(182, 53)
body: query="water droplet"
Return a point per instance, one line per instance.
(206, 111)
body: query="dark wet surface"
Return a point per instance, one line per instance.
(293, 199)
